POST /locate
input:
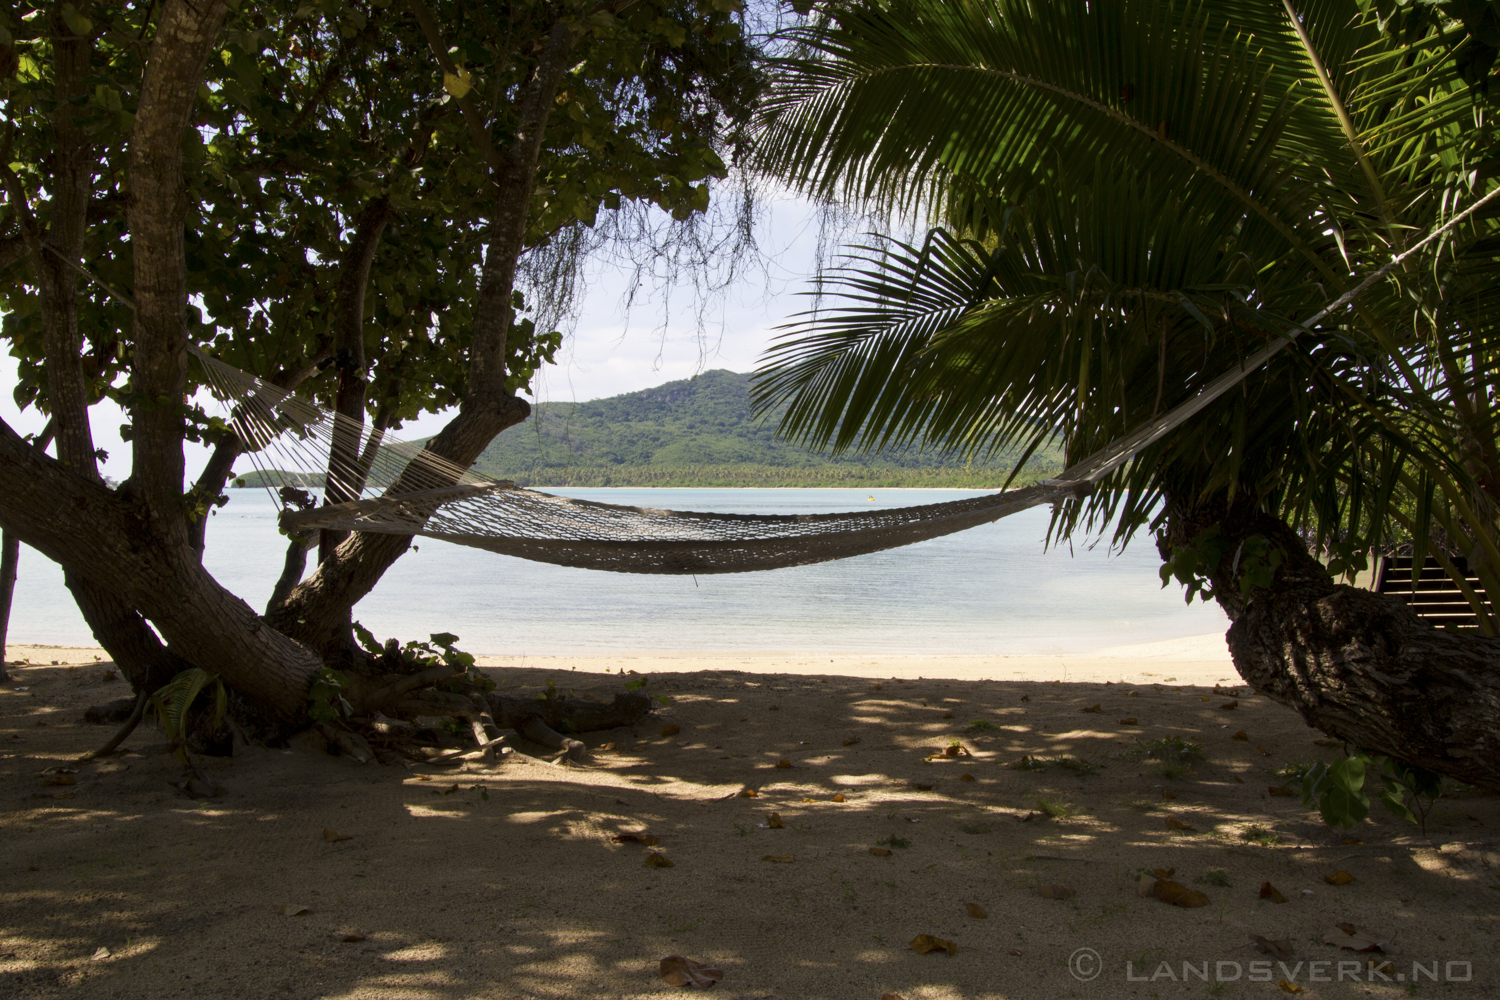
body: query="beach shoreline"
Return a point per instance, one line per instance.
(1195, 660)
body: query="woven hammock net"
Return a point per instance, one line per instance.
(406, 490)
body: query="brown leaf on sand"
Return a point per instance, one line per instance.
(1093, 708)
(333, 836)
(1263, 751)
(445, 791)
(1145, 885)
(1281, 948)
(292, 909)
(680, 971)
(1128, 722)
(649, 839)
(783, 763)
(1348, 936)
(349, 935)
(1338, 878)
(671, 730)
(879, 687)
(606, 747)
(1269, 891)
(1173, 823)
(1168, 795)
(881, 852)
(947, 715)
(1164, 872)
(748, 793)
(1242, 736)
(1287, 986)
(1013, 951)
(1229, 706)
(1178, 894)
(923, 944)
(850, 741)
(1351, 842)
(774, 821)
(1204, 698)
(656, 859)
(780, 859)
(1281, 791)
(966, 777)
(838, 798)
(956, 750)
(976, 911)
(1056, 892)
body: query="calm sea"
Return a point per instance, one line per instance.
(992, 589)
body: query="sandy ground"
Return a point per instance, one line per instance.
(503, 881)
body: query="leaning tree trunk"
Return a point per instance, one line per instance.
(1360, 666)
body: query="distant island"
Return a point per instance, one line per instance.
(701, 432)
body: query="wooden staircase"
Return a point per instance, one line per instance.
(1437, 598)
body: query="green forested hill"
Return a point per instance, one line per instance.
(700, 432)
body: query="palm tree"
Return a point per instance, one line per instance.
(1128, 197)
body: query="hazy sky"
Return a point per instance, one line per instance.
(610, 351)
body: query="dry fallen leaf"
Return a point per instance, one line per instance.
(333, 836)
(976, 911)
(1145, 885)
(1128, 722)
(1173, 823)
(1093, 708)
(922, 944)
(1351, 842)
(838, 798)
(1229, 706)
(1013, 951)
(1056, 892)
(956, 750)
(1384, 968)
(1204, 698)
(783, 763)
(606, 746)
(1133, 694)
(671, 730)
(851, 741)
(1338, 878)
(292, 910)
(748, 793)
(680, 971)
(881, 852)
(781, 859)
(657, 859)
(966, 777)
(1281, 948)
(349, 935)
(1168, 795)
(445, 791)
(879, 687)
(1347, 936)
(1241, 735)
(101, 954)
(947, 715)
(1178, 894)
(1263, 751)
(649, 839)
(774, 822)
(1238, 780)
(1164, 872)
(1269, 891)
(1287, 986)
(1281, 791)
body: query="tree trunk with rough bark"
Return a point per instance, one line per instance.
(1359, 666)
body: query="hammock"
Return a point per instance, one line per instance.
(291, 440)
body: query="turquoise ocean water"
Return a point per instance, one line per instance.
(992, 589)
